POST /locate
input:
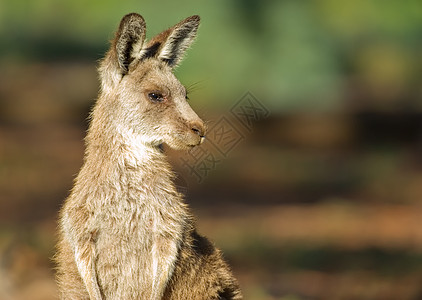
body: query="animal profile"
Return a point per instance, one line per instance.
(125, 232)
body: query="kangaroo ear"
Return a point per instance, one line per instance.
(171, 44)
(129, 40)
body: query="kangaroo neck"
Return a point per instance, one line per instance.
(115, 152)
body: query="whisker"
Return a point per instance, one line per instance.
(194, 86)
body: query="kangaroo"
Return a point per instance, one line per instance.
(125, 231)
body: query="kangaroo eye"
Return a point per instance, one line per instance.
(156, 97)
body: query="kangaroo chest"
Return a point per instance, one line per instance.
(137, 243)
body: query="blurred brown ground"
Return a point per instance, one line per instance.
(308, 206)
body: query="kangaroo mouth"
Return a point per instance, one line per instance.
(180, 142)
(201, 140)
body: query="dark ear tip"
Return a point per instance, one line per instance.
(193, 19)
(132, 18)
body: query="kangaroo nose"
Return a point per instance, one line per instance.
(198, 128)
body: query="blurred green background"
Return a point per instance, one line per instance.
(320, 200)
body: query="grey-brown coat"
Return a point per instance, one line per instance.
(125, 232)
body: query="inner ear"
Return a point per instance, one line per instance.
(151, 50)
(129, 40)
(179, 41)
(171, 44)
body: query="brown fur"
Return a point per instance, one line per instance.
(125, 232)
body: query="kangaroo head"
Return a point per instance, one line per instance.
(144, 96)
